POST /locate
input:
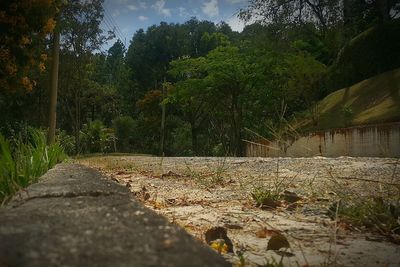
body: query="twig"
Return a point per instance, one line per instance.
(366, 180)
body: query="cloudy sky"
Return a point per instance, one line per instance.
(130, 15)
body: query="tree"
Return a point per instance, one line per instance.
(81, 35)
(24, 25)
(190, 92)
(324, 13)
(218, 83)
(115, 62)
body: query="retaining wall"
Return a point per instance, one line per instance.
(381, 140)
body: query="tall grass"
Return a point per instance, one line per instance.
(24, 160)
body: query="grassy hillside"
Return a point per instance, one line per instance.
(375, 100)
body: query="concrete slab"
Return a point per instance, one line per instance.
(77, 217)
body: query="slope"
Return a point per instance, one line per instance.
(374, 100)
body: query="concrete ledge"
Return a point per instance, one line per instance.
(77, 217)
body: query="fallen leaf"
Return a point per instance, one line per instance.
(277, 242)
(264, 232)
(217, 233)
(146, 196)
(220, 246)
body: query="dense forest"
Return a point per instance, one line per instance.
(196, 88)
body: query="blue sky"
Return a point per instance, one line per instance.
(130, 15)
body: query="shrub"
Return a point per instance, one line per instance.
(124, 129)
(95, 138)
(67, 142)
(181, 140)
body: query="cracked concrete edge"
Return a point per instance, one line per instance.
(76, 216)
(65, 180)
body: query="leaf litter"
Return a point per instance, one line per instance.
(216, 200)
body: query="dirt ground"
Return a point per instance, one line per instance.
(202, 193)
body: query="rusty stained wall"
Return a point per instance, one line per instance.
(363, 141)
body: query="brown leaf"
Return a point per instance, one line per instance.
(146, 196)
(264, 232)
(277, 242)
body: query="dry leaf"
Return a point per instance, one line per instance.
(277, 242)
(220, 246)
(264, 232)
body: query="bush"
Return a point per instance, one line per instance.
(67, 142)
(23, 160)
(95, 138)
(124, 129)
(182, 140)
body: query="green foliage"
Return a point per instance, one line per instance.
(182, 140)
(24, 26)
(23, 160)
(372, 52)
(124, 128)
(348, 114)
(374, 100)
(265, 197)
(66, 141)
(95, 138)
(377, 213)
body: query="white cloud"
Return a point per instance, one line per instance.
(143, 5)
(143, 18)
(236, 24)
(211, 8)
(132, 7)
(159, 6)
(183, 12)
(115, 13)
(235, 1)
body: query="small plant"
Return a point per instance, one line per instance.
(378, 211)
(95, 137)
(212, 177)
(373, 213)
(348, 114)
(23, 160)
(274, 263)
(265, 197)
(66, 141)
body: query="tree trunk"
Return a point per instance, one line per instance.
(194, 139)
(236, 142)
(162, 122)
(53, 89)
(383, 10)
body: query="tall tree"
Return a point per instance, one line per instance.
(81, 35)
(324, 13)
(24, 26)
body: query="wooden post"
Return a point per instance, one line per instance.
(53, 88)
(162, 121)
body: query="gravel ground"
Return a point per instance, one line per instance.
(201, 193)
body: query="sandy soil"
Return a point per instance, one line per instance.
(201, 193)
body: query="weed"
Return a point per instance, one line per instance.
(274, 263)
(214, 175)
(375, 213)
(379, 211)
(265, 197)
(23, 160)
